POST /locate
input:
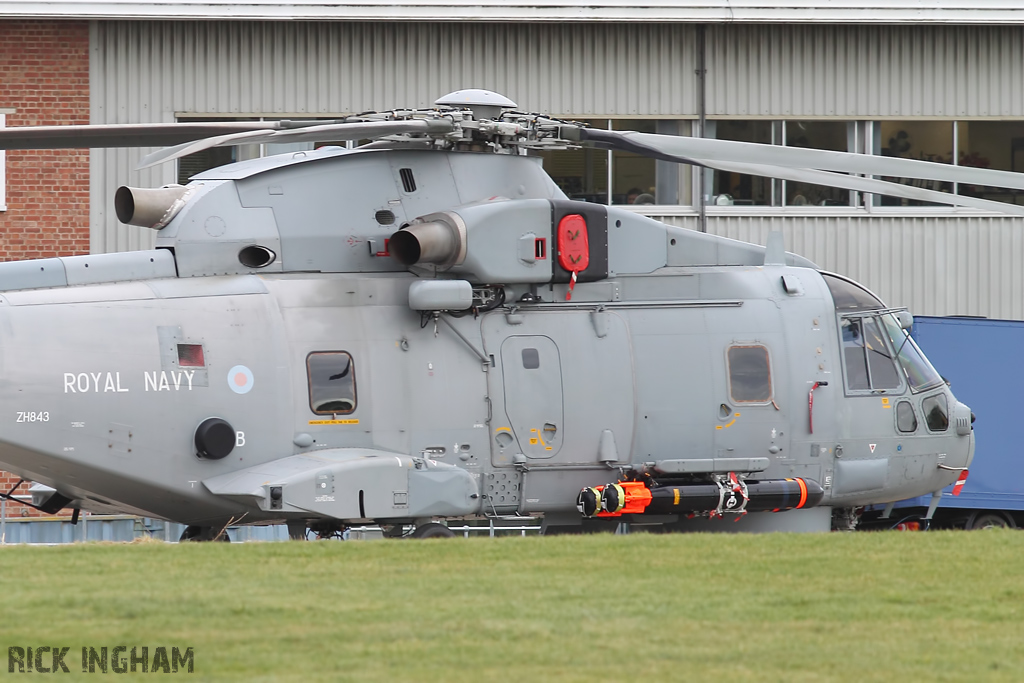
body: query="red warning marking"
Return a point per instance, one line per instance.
(573, 243)
(961, 480)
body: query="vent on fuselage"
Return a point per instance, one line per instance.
(408, 181)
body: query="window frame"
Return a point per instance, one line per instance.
(896, 413)
(728, 373)
(242, 151)
(863, 137)
(903, 385)
(3, 163)
(309, 382)
(945, 400)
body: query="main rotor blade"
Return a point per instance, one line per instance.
(330, 131)
(868, 185)
(121, 134)
(729, 151)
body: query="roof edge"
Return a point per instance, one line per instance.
(669, 11)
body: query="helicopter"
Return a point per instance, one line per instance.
(425, 328)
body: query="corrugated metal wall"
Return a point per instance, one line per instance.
(150, 71)
(935, 266)
(865, 71)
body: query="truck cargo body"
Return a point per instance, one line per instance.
(981, 359)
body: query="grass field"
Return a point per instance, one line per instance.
(838, 607)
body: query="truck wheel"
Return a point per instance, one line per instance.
(433, 530)
(988, 520)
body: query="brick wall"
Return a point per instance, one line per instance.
(44, 77)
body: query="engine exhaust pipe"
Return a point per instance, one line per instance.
(149, 208)
(438, 239)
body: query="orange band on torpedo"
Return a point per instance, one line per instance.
(803, 492)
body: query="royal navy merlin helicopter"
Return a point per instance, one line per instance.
(425, 328)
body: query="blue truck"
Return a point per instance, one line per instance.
(983, 360)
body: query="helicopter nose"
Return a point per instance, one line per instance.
(960, 456)
(963, 419)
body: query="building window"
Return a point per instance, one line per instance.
(738, 189)
(997, 145)
(614, 177)
(332, 382)
(750, 379)
(919, 140)
(3, 167)
(194, 164)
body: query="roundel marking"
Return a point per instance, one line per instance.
(240, 379)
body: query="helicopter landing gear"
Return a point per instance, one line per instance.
(297, 530)
(432, 530)
(194, 533)
(325, 530)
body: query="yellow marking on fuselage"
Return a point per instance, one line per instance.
(533, 441)
(729, 423)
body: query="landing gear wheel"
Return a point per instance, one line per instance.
(191, 533)
(989, 520)
(433, 530)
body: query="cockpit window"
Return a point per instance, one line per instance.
(332, 382)
(750, 379)
(935, 413)
(849, 296)
(883, 370)
(919, 372)
(869, 364)
(853, 355)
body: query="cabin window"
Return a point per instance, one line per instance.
(332, 382)
(935, 413)
(750, 379)
(906, 419)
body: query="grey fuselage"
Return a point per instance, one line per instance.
(510, 411)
